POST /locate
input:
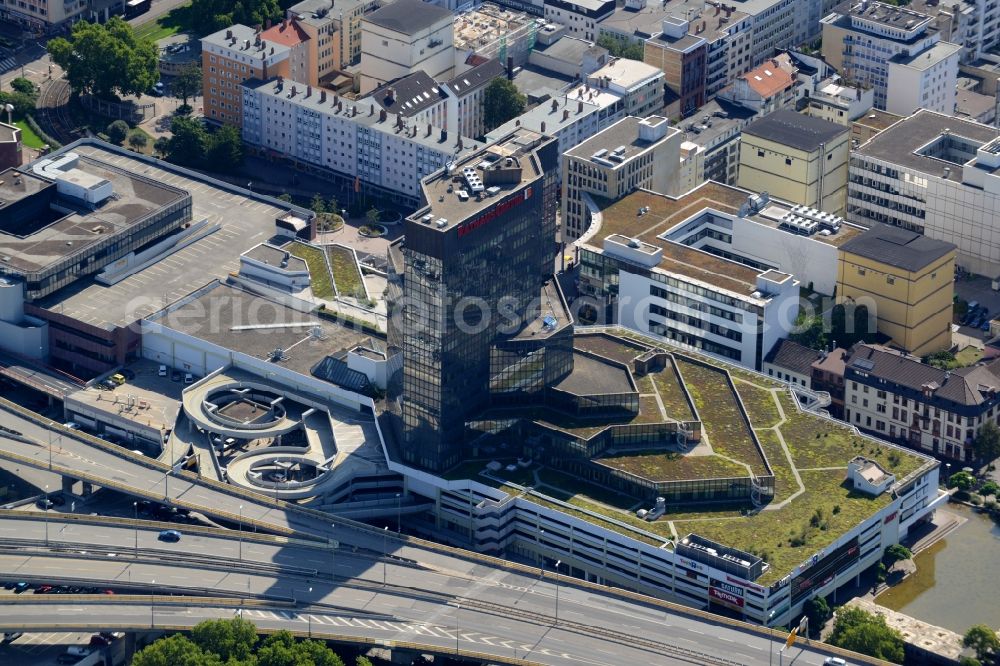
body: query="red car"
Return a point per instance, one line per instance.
(43, 589)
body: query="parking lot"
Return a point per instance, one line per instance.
(41, 649)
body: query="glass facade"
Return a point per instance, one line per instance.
(465, 291)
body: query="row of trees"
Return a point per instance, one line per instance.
(846, 326)
(106, 60)
(207, 16)
(193, 145)
(234, 643)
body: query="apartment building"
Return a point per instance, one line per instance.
(837, 102)
(356, 143)
(633, 153)
(819, 371)
(936, 175)
(972, 24)
(339, 22)
(323, 29)
(683, 57)
(796, 158)
(766, 88)
(403, 37)
(579, 113)
(465, 98)
(580, 17)
(870, 124)
(640, 85)
(229, 58)
(714, 137)
(41, 17)
(900, 399)
(906, 280)
(896, 51)
(416, 97)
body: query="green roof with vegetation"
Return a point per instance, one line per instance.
(320, 279)
(346, 275)
(814, 504)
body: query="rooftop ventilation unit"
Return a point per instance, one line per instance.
(427, 219)
(442, 222)
(472, 178)
(493, 191)
(463, 195)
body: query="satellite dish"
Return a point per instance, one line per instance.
(9, 108)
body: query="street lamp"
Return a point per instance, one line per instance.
(385, 552)
(399, 512)
(135, 524)
(333, 554)
(558, 563)
(152, 601)
(241, 533)
(46, 510)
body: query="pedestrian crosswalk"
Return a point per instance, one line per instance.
(7, 64)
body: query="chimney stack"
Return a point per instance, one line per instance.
(543, 127)
(429, 129)
(444, 135)
(579, 107)
(309, 90)
(371, 110)
(229, 34)
(381, 115)
(322, 96)
(565, 114)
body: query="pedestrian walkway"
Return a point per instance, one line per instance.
(7, 64)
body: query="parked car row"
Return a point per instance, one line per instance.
(977, 317)
(22, 587)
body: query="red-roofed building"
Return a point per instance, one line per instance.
(769, 87)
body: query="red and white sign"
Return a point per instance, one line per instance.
(725, 598)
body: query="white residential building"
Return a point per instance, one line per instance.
(579, 16)
(348, 140)
(465, 98)
(640, 85)
(937, 175)
(894, 50)
(403, 37)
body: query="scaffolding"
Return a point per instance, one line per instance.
(491, 31)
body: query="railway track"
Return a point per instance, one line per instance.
(52, 111)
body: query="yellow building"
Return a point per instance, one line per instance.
(796, 158)
(906, 280)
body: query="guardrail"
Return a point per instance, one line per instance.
(413, 541)
(158, 599)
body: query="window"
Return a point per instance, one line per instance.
(760, 153)
(861, 271)
(788, 161)
(890, 280)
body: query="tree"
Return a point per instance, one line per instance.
(211, 15)
(281, 649)
(224, 151)
(23, 103)
(969, 661)
(187, 83)
(318, 204)
(362, 661)
(989, 488)
(137, 140)
(176, 650)
(809, 331)
(106, 59)
(372, 216)
(23, 85)
(117, 131)
(621, 48)
(501, 102)
(867, 633)
(162, 145)
(987, 442)
(962, 480)
(895, 553)
(983, 640)
(187, 145)
(231, 639)
(818, 611)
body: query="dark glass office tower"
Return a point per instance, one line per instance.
(466, 279)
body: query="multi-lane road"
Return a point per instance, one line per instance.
(417, 586)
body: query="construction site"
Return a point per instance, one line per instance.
(491, 31)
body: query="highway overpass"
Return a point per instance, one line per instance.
(442, 587)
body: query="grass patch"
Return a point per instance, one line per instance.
(178, 19)
(659, 466)
(319, 274)
(624, 517)
(28, 136)
(759, 404)
(644, 383)
(784, 480)
(346, 275)
(720, 414)
(154, 31)
(672, 395)
(787, 537)
(821, 443)
(573, 489)
(616, 350)
(968, 356)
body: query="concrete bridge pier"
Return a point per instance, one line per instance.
(69, 487)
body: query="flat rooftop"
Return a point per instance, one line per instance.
(795, 130)
(246, 221)
(256, 326)
(927, 59)
(886, 14)
(900, 143)
(50, 236)
(646, 22)
(590, 376)
(878, 119)
(624, 133)
(8, 132)
(408, 16)
(488, 23)
(898, 247)
(441, 191)
(275, 256)
(551, 316)
(627, 73)
(818, 451)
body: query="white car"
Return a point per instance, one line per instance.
(189, 378)
(162, 372)
(834, 661)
